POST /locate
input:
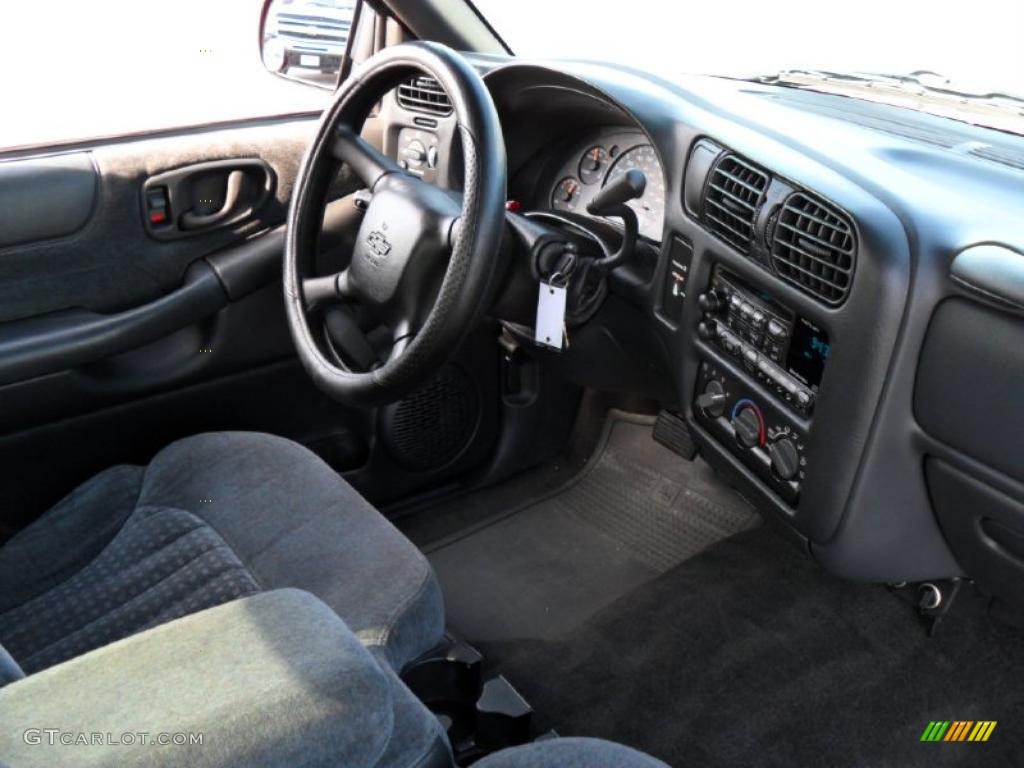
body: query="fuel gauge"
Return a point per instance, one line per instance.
(566, 194)
(593, 165)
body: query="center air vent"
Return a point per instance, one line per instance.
(424, 94)
(734, 191)
(814, 247)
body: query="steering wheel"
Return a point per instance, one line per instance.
(425, 260)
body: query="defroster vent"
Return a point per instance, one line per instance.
(814, 247)
(424, 94)
(733, 193)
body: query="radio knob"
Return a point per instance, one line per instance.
(785, 458)
(707, 329)
(747, 426)
(712, 400)
(709, 302)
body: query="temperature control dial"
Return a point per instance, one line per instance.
(746, 420)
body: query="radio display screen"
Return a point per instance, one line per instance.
(809, 348)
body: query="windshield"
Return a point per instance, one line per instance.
(970, 48)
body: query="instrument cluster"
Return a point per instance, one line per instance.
(600, 160)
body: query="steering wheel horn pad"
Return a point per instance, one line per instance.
(424, 259)
(405, 230)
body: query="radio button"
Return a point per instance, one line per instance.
(804, 400)
(750, 358)
(776, 330)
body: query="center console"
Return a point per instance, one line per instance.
(757, 393)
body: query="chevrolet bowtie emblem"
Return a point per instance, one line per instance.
(378, 244)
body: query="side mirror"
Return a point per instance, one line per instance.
(305, 40)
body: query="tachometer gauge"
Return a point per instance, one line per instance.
(650, 209)
(593, 165)
(566, 194)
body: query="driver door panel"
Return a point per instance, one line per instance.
(83, 271)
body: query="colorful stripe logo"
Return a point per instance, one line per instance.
(959, 730)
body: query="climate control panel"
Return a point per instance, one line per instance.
(762, 435)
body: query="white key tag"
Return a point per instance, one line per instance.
(549, 330)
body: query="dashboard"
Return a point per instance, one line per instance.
(831, 305)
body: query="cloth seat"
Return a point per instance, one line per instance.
(212, 518)
(570, 753)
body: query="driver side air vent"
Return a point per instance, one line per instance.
(733, 193)
(814, 247)
(424, 94)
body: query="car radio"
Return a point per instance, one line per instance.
(784, 351)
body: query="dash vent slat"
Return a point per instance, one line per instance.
(814, 247)
(735, 190)
(424, 94)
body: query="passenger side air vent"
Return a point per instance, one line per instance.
(734, 191)
(813, 246)
(424, 94)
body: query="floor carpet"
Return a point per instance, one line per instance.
(630, 603)
(748, 655)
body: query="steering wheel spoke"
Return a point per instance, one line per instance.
(367, 162)
(318, 292)
(350, 342)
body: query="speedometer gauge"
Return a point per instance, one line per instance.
(566, 194)
(650, 209)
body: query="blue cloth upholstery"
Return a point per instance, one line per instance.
(212, 518)
(570, 753)
(274, 680)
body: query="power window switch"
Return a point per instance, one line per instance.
(158, 208)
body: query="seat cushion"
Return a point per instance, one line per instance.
(570, 753)
(212, 518)
(275, 679)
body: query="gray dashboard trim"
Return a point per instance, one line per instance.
(994, 271)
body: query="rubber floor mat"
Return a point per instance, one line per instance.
(538, 570)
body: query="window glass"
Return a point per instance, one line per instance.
(76, 70)
(940, 56)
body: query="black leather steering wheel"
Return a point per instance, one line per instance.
(425, 260)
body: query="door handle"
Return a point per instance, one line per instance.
(233, 191)
(247, 184)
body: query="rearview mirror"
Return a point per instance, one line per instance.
(305, 40)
